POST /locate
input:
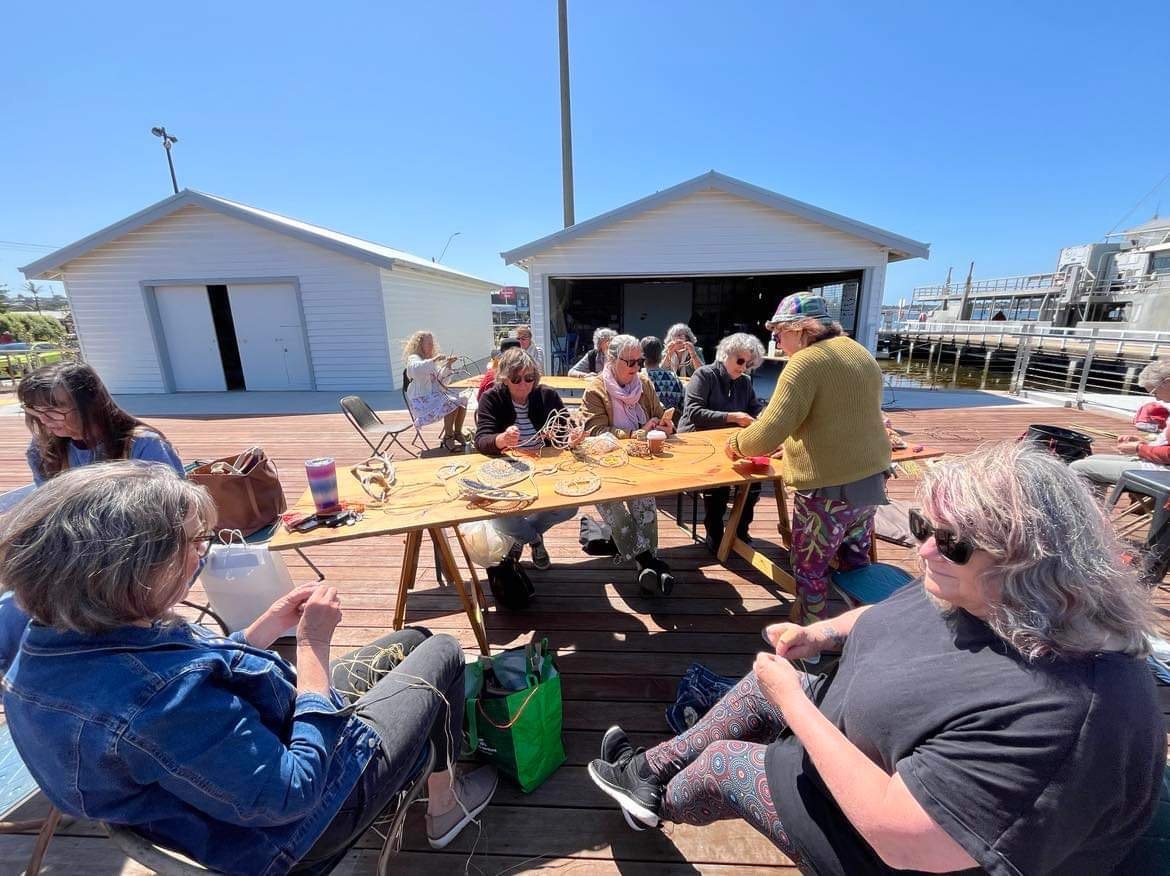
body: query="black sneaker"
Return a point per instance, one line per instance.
(665, 579)
(640, 799)
(540, 559)
(616, 749)
(648, 580)
(615, 746)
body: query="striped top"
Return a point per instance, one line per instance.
(523, 423)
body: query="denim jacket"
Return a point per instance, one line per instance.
(196, 741)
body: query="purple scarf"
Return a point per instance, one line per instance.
(627, 410)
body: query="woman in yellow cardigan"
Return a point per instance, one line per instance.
(620, 401)
(826, 414)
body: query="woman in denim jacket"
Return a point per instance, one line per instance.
(211, 746)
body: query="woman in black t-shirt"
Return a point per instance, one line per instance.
(996, 715)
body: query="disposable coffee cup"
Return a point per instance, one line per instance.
(656, 438)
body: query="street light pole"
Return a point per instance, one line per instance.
(445, 245)
(566, 115)
(167, 141)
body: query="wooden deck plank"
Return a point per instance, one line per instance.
(620, 653)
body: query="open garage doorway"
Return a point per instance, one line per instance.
(714, 307)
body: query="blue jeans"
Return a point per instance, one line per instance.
(530, 529)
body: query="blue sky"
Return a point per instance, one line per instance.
(998, 132)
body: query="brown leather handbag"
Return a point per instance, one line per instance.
(246, 489)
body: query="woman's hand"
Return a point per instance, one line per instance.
(798, 643)
(285, 612)
(509, 438)
(1129, 445)
(658, 423)
(730, 451)
(576, 435)
(320, 615)
(778, 679)
(739, 418)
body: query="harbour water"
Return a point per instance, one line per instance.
(917, 374)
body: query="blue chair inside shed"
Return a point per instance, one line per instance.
(869, 584)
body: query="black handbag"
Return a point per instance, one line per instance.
(510, 584)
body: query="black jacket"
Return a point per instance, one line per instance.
(712, 394)
(496, 413)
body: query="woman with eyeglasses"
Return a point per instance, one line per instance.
(718, 396)
(1148, 452)
(74, 422)
(213, 746)
(620, 401)
(523, 333)
(996, 714)
(826, 416)
(511, 415)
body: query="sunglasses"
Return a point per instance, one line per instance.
(634, 363)
(949, 544)
(742, 362)
(527, 378)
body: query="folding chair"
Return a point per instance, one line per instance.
(418, 438)
(370, 426)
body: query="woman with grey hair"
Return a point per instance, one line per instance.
(997, 713)
(683, 355)
(212, 746)
(593, 361)
(619, 402)
(1134, 451)
(718, 396)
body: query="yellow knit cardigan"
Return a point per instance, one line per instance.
(827, 413)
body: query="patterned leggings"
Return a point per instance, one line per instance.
(634, 523)
(715, 770)
(824, 530)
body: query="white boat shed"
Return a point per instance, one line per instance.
(199, 293)
(714, 252)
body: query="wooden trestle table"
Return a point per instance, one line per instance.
(420, 503)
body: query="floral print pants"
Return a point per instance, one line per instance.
(824, 530)
(634, 523)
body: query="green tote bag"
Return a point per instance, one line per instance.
(514, 713)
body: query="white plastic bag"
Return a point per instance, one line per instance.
(243, 580)
(485, 544)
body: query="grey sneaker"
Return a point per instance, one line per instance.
(540, 559)
(616, 750)
(639, 797)
(474, 791)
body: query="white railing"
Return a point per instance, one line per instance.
(1071, 361)
(1007, 285)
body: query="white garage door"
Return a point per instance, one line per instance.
(192, 349)
(270, 336)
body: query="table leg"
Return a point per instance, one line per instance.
(407, 575)
(479, 597)
(451, 570)
(783, 521)
(761, 563)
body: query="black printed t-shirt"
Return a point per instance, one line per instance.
(1048, 767)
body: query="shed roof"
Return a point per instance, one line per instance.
(49, 267)
(900, 247)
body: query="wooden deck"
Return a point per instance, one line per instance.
(620, 654)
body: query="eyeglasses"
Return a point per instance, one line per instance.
(524, 337)
(634, 363)
(203, 543)
(953, 548)
(526, 378)
(47, 413)
(742, 362)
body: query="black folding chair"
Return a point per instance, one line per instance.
(377, 434)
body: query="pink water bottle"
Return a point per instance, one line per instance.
(322, 474)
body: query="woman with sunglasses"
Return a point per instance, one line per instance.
(74, 421)
(995, 714)
(212, 746)
(523, 333)
(718, 396)
(621, 401)
(826, 415)
(512, 414)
